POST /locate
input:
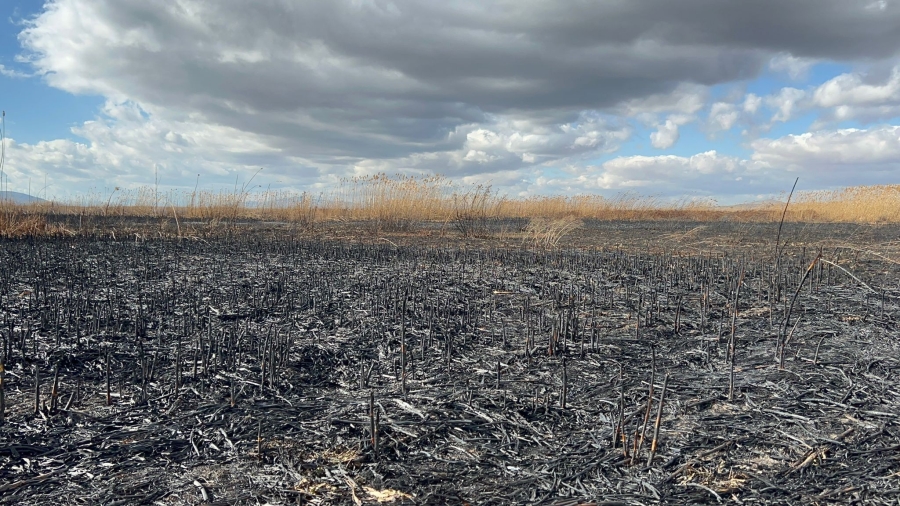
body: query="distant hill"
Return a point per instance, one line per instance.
(755, 205)
(18, 198)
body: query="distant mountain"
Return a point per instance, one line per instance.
(18, 198)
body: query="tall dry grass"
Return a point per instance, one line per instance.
(627, 206)
(857, 204)
(400, 203)
(391, 203)
(24, 221)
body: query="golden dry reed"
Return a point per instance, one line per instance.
(856, 204)
(398, 202)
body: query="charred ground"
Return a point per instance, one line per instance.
(270, 365)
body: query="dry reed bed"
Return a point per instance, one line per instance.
(289, 370)
(403, 203)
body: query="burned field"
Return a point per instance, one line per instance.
(282, 369)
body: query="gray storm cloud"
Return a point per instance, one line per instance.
(377, 78)
(354, 82)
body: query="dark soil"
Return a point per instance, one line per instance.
(270, 365)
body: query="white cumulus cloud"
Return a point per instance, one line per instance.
(722, 116)
(795, 67)
(849, 89)
(785, 103)
(665, 136)
(13, 73)
(846, 153)
(855, 96)
(752, 102)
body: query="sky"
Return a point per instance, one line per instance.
(690, 99)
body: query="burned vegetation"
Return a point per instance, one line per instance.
(279, 369)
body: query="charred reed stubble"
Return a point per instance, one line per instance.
(2, 393)
(303, 329)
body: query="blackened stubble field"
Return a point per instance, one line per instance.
(636, 364)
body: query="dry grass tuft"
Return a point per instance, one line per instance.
(690, 235)
(719, 479)
(548, 232)
(387, 495)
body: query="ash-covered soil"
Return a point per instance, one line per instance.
(632, 365)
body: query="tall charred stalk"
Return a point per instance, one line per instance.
(54, 392)
(731, 341)
(37, 389)
(640, 442)
(778, 251)
(403, 345)
(177, 367)
(373, 425)
(108, 391)
(784, 335)
(662, 400)
(259, 447)
(619, 433)
(678, 316)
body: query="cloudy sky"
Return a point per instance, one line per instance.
(702, 98)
